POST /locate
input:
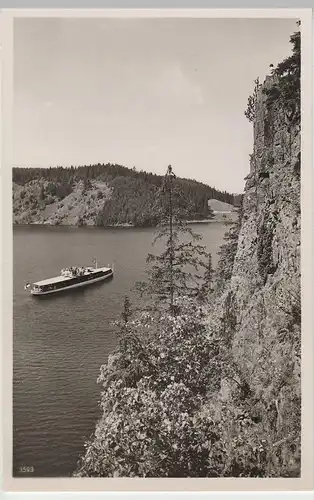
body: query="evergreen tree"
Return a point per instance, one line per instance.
(173, 273)
(286, 88)
(252, 100)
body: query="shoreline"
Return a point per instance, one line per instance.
(118, 226)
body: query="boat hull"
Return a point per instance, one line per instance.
(38, 293)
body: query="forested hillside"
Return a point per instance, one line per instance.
(102, 195)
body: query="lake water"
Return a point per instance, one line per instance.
(60, 341)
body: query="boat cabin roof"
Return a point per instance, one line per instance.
(57, 279)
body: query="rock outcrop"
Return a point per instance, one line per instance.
(259, 308)
(80, 207)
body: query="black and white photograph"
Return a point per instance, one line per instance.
(156, 217)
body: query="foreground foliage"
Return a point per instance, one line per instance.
(153, 389)
(162, 415)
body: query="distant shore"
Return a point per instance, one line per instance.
(122, 226)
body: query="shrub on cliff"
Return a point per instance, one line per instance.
(286, 84)
(286, 87)
(261, 429)
(153, 390)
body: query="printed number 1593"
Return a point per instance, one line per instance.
(25, 468)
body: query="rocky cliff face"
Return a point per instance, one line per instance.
(259, 309)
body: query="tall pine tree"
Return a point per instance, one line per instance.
(174, 273)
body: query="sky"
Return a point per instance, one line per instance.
(142, 92)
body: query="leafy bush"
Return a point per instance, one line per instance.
(154, 386)
(286, 87)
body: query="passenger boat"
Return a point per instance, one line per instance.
(69, 278)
